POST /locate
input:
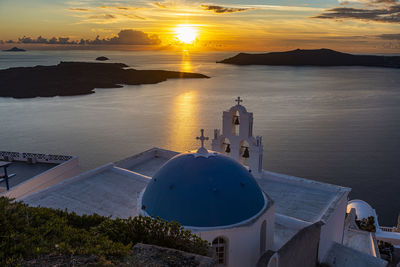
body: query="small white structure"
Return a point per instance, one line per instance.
(363, 210)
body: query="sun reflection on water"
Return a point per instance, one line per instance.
(186, 63)
(183, 122)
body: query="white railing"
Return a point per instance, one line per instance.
(33, 157)
(387, 229)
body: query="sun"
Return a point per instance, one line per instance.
(186, 33)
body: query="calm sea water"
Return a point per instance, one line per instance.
(339, 125)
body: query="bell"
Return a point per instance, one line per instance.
(228, 148)
(246, 153)
(236, 120)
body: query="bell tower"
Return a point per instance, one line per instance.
(236, 139)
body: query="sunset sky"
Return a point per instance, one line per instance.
(359, 26)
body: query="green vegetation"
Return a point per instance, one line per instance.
(31, 232)
(386, 250)
(367, 224)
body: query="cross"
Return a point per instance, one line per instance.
(202, 138)
(238, 100)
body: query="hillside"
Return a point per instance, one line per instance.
(34, 235)
(319, 57)
(78, 78)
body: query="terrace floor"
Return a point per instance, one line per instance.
(24, 171)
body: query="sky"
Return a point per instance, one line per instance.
(370, 26)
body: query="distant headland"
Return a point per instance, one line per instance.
(318, 57)
(15, 49)
(77, 78)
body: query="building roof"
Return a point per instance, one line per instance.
(107, 191)
(303, 199)
(203, 190)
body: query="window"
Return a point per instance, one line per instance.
(226, 146)
(220, 246)
(263, 237)
(235, 122)
(244, 152)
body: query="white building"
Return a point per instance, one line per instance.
(249, 215)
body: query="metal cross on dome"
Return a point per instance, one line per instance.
(202, 138)
(238, 100)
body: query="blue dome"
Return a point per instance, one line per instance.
(203, 191)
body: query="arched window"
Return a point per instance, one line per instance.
(263, 237)
(235, 122)
(226, 146)
(220, 246)
(244, 152)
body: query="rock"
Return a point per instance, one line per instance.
(78, 78)
(102, 58)
(15, 49)
(151, 255)
(318, 57)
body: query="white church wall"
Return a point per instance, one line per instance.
(244, 241)
(333, 229)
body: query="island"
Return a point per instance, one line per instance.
(78, 78)
(317, 57)
(102, 58)
(15, 49)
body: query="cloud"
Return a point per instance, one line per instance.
(388, 36)
(120, 7)
(78, 9)
(124, 37)
(221, 9)
(387, 11)
(41, 40)
(133, 16)
(369, 2)
(103, 17)
(130, 37)
(159, 5)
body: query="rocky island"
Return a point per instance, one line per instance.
(318, 57)
(102, 58)
(15, 49)
(78, 78)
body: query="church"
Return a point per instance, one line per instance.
(250, 216)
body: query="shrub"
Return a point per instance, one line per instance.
(28, 232)
(367, 224)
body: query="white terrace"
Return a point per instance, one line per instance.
(30, 172)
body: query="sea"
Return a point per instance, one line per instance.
(339, 125)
